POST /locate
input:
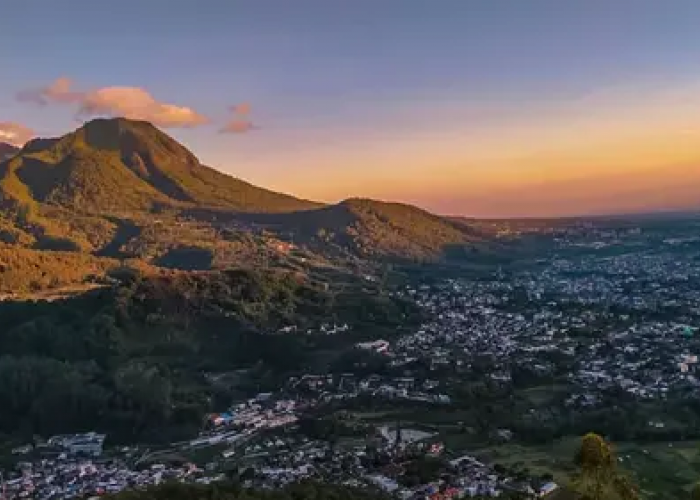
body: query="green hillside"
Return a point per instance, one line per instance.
(124, 189)
(119, 165)
(164, 332)
(369, 229)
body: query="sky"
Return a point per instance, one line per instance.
(484, 108)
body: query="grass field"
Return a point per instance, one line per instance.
(663, 472)
(542, 395)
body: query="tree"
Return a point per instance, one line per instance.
(599, 478)
(625, 488)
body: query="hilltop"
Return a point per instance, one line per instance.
(371, 228)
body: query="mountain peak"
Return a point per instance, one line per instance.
(127, 135)
(118, 164)
(117, 127)
(120, 120)
(126, 168)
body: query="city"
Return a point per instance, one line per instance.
(525, 355)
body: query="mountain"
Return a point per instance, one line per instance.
(119, 165)
(371, 228)
(7, 151)
(122, 189)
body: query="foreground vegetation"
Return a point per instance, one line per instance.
(137, 360)
(596, 476)
(305, 490)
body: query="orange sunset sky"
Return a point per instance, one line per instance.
(464, 107)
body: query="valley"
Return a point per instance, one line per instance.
(349, 250)
(193, 318)
(590, 328)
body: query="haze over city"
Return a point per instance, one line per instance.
(486, 109)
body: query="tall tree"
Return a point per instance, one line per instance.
(599, 477)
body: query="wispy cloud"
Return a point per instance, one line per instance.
(243, 108)
(57, 92)
(240, 123)
(15, 133)
(136, 103)
(128, 102)
(237, 127)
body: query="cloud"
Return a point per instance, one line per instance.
(137, 104)
(237, 127)
(243, 108)
(57, 92)
(128, 102)
(15, 133)
(240, 123)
